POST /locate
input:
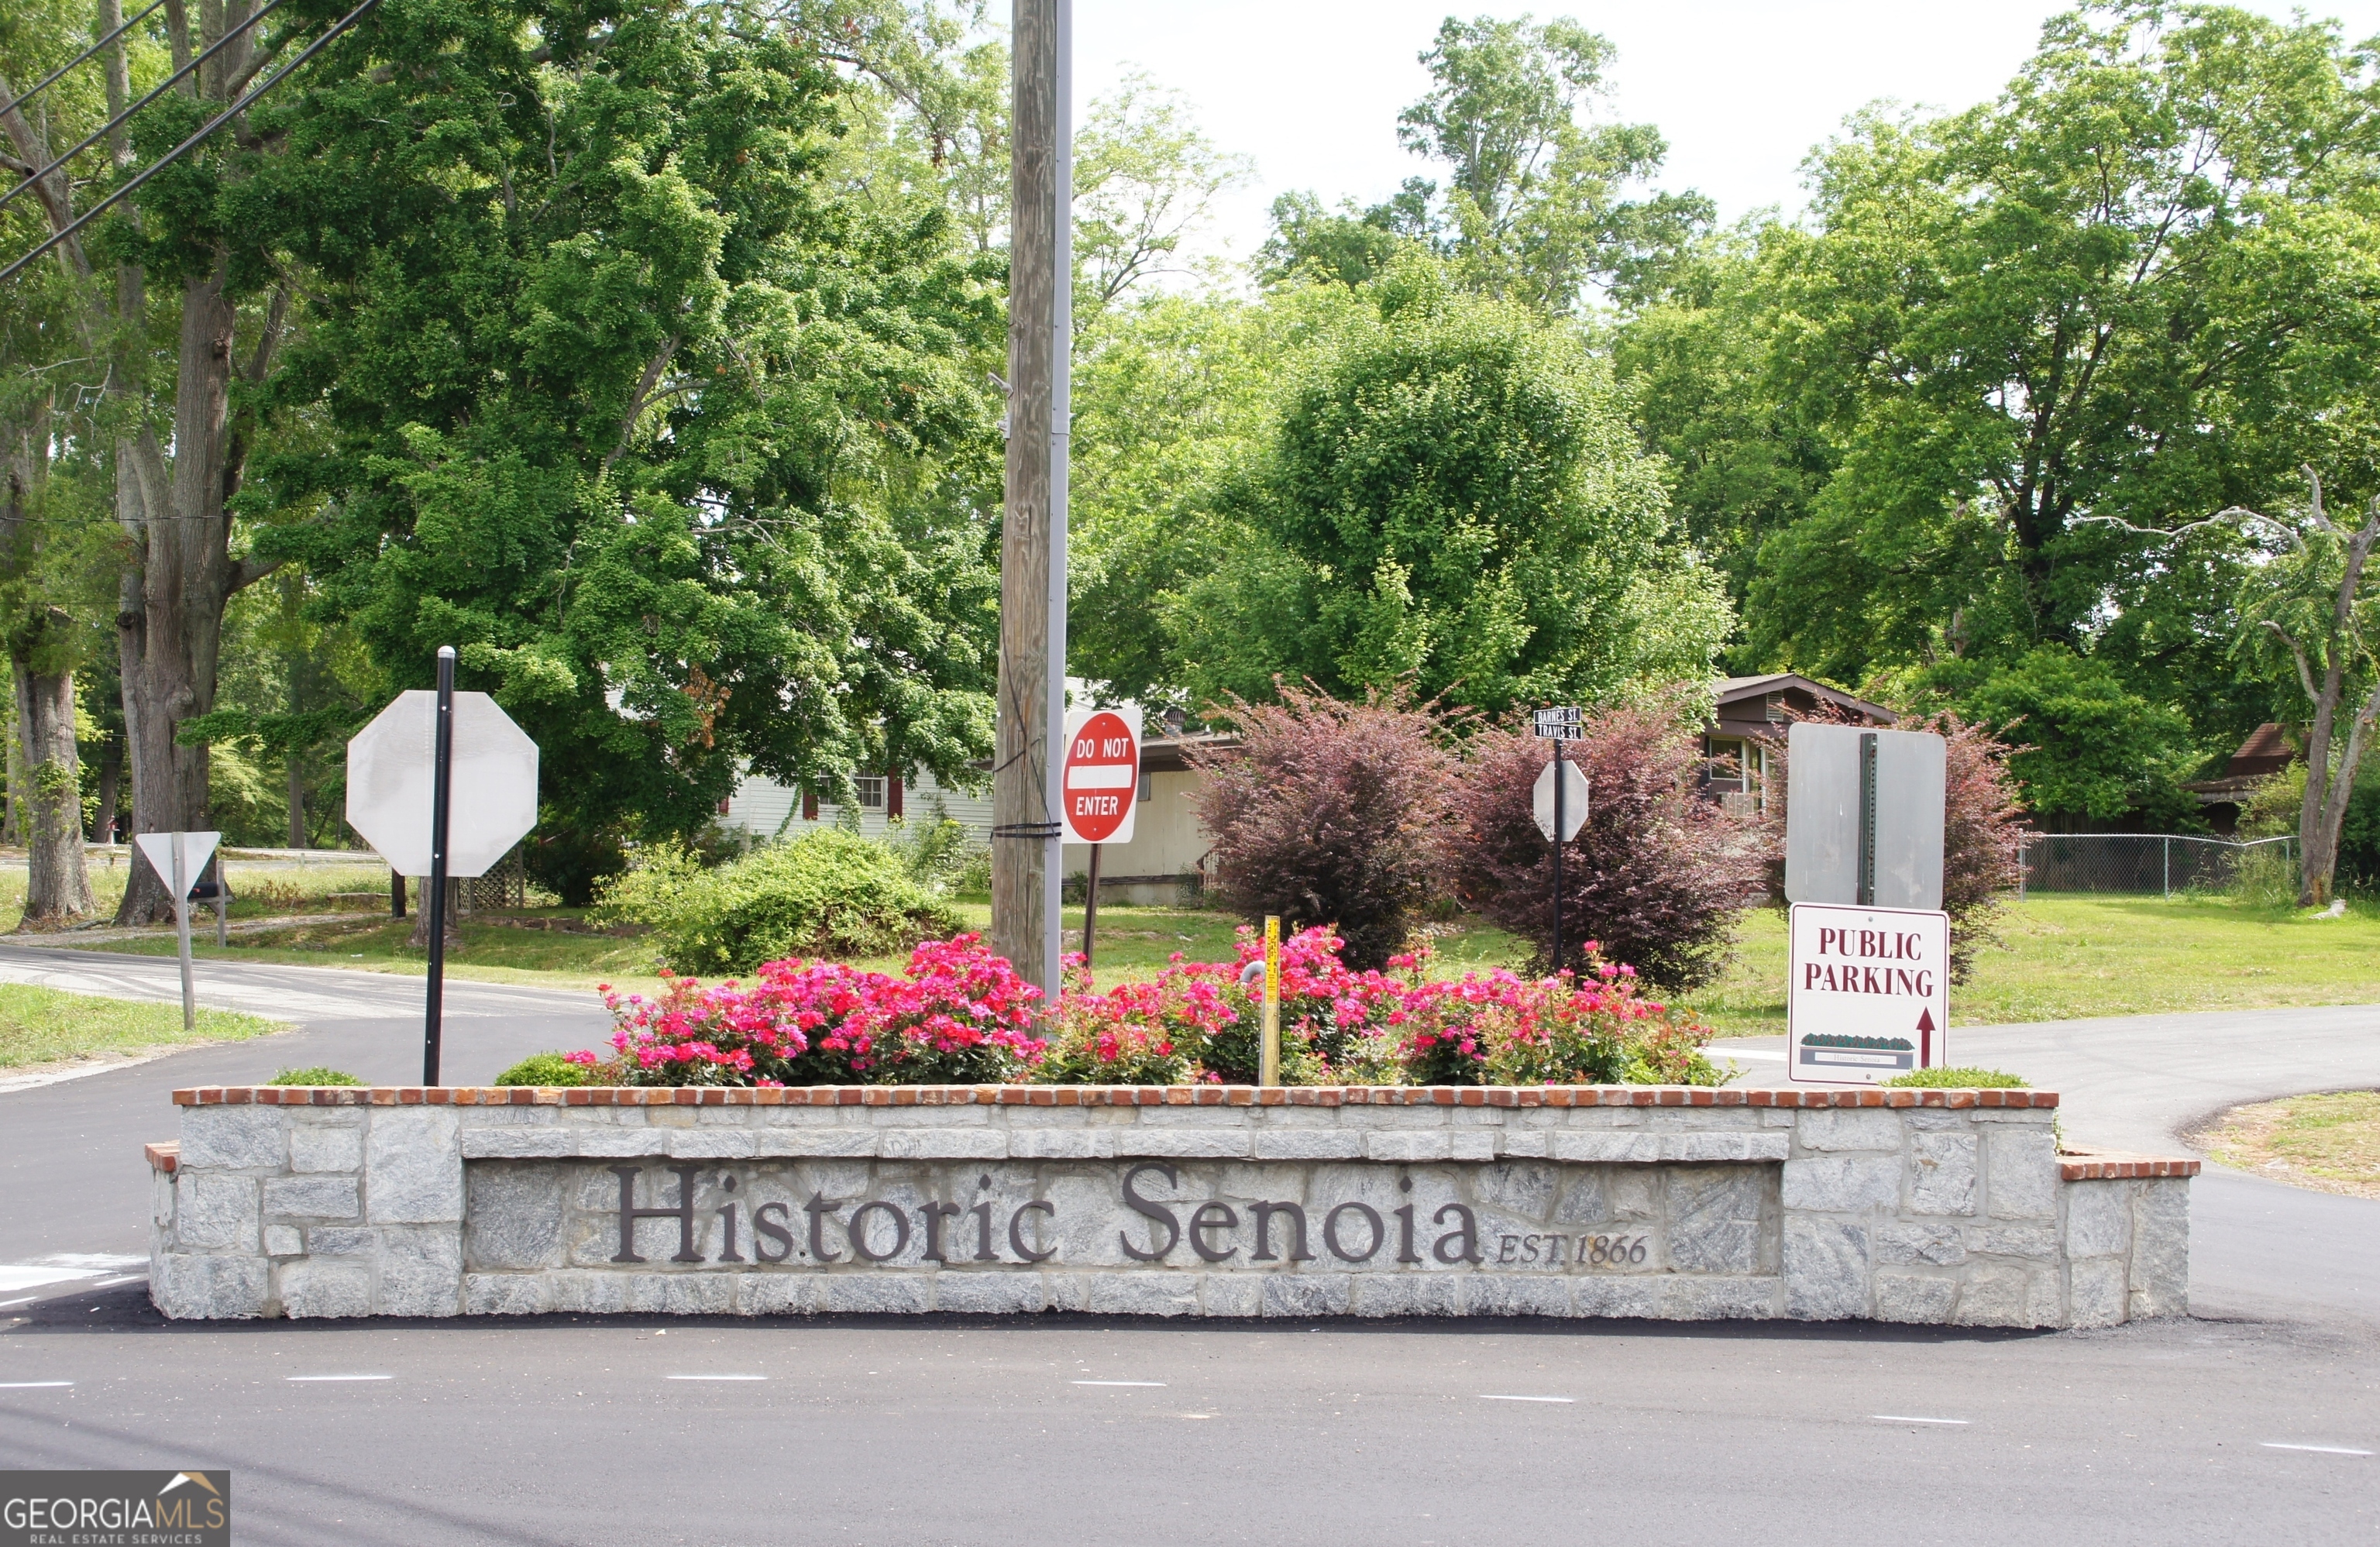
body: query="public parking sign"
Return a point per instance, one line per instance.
(1870, 993)
(1100, 785)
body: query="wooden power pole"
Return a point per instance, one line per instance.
(1025, 869)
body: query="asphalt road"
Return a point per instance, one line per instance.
(2257, 1422)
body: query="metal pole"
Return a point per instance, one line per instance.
(182, 932)
(1868, 820)
(442, 795)
(1091, 905)
(1027, 872)
(2169, 869)
(1268, 1048)
(1560, 812)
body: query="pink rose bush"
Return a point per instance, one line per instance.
(959, 1015)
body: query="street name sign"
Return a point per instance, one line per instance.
(1100, 785)
(390, 774)
(1864, 816)
(1870, 993)
(1564, 724)
(1573, 801)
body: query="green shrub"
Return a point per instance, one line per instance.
(314, 1077)
(828, 893)
(1956, 1080)
(547, 1068)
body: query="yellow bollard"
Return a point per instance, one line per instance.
(1269, 1053)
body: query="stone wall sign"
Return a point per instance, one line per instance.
(1908, 1205)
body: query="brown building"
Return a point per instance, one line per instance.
(2265, 753)
(1751, 717)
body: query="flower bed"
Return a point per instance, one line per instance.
(959, 1015)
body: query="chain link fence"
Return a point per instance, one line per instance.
(2142, 864)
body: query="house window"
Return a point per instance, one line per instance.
(871, 791)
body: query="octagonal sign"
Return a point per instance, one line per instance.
(389, 784)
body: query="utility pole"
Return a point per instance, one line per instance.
(1025, 868)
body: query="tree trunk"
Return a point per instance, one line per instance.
(297, 799)
(111, 776)
(57, 886)
(421, 936)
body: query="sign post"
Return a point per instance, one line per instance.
(403, 770)
(1558, 790)
(1268, 1048)
(1868, 994)
(1099, 790)
(179, 859)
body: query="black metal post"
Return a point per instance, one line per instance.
(1560, 775)
(1091, 905)
(1868, 820)
(442, 795)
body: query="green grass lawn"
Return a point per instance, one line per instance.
(257, 890)
(2069, 956)
(50, 1026)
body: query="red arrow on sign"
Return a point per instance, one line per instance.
(1101, 778)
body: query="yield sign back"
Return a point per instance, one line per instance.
(1102, 781)
(197, 848)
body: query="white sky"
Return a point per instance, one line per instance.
(1742, 89)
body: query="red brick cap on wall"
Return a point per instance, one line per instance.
(1093, 1095)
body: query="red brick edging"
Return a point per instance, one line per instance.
(2106, 1165)
(1093, 1095)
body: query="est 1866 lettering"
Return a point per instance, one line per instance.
(1155, 1228)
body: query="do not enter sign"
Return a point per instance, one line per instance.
(1101, 783)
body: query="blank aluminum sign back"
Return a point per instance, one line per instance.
(1822, 815)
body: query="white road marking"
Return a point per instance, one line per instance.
(1528, 1398)
(2317, 1449)
(1119, 1382)
(1903, 1418)
(315, 1378)
(31, 1386)
(11, 1304)
(112, 1283)
(718, 1377)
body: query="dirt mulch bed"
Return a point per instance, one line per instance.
(2329, 1142)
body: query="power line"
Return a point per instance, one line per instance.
(220, 119)
(104, 129)
(51, 79)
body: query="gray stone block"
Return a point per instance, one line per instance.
(1942, 1173)
(517, 1143)
(1529, 1144)
(1851, 1127)
(283, 1240)
(1405, 1294)
(710, 1144)
(2019, 1241)
(1053, 1144)
(620, 1143)
(1516, 1294)
(1825, 1265)
(925, 1117)
(942, 1144)
(508, 1294)
(1143, 1294)
(776, 1294)
(1647, 1147)
(336, 1242)
(413, 1167)
(215, 1213)
(1309, 1144)
(1409, 1145)
(1935, 1245)
(1842, 1184)
(514, 1220)
(2004, 1295)
(2099, 1219)
(692, 1294)
(1163, 1143)
(990, 1294)
(877, 1293)
(420, 1272)
(326, 1149)
(1305, 1294)
(2160, 1266)
(326, 1289)
(321, 1197)
(2095, 1293)
(1717, 1300)
(1914, 1296)
(2022, 1179)
(586, 1292)
(234, 1138)
(1715, 1219)
(825, 1142)
(1230, 1294)
(1612, 1295)
(192, 1288)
